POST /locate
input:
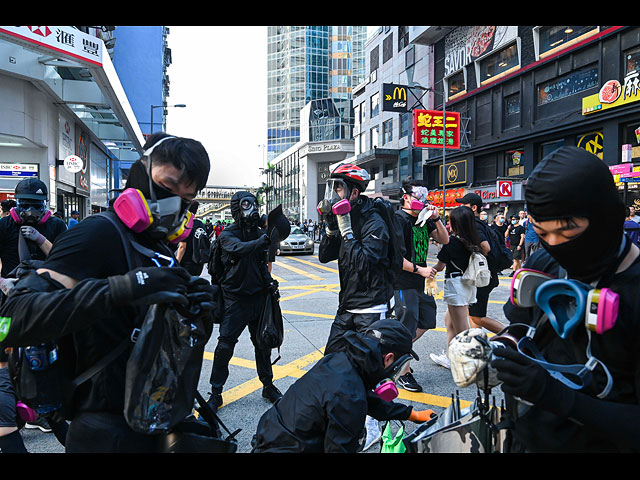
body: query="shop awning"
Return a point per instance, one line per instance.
(75, 69)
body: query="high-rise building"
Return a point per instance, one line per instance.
(308, 63)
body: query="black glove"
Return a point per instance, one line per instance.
(524, 378)
(272, 288)
(201, 294)
(150, 285)
(332, 222)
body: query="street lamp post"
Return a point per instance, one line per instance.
(179, 105)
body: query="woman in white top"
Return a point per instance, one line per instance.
(455, 258)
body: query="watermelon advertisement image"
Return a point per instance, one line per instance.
(610, 91)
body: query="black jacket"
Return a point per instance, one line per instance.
(363, 262)
(584, 423)
(244, 261)
(325, 410)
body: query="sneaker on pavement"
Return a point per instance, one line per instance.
(373, 433)
(271, 393)
(441, 359)
(409, 383)
(40, 424)
(215, 401)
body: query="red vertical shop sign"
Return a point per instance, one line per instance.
(430, 131)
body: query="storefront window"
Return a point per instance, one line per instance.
(455, 84)
(553, 37)
(375, 134)
(404, 124)
(499, 62)
(567, 85)
(632, 61)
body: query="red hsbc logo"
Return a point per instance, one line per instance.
(43, 31)
(504, 188)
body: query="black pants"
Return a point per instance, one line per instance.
(346, 321)
(101, 432)
(239, 312)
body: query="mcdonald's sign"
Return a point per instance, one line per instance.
(394, 97)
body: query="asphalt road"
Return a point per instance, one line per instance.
(309, 299)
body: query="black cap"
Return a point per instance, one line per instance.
(470, 199)
(31, 189)
(394, 335)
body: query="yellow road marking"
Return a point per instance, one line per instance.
(304, 314)
(279, 279)
(298, 271)
(332, 270)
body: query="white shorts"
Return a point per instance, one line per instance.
(457, 293)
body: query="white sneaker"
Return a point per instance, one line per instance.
(373, 433)
(441, 359)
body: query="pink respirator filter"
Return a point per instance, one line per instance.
(132, 209)
(341, 208)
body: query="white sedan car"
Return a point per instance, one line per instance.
(296, 242)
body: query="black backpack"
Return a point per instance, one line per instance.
(500, 257)
(201, 246)
(397, 249)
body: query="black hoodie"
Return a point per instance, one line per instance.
(325, 410)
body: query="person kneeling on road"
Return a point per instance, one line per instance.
(325, 410)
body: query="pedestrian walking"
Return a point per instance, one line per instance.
(415, 309)
(516, 234)
(454, 259)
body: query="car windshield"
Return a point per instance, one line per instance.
(296, 231)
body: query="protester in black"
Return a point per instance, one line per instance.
(359, 240)
(189, 251)
(324, 411)
(579, 217)
(244, 278)
(478, 311)
(87, 289)
(515, 233)
(31, 220)
(415, 309)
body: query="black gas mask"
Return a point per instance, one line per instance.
(244, 209)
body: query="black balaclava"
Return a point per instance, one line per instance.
(571, 182)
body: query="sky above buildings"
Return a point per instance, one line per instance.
(220, 73)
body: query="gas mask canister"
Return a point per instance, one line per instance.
(147, 207)
(386, 389)
(336, 198)
(567, 304)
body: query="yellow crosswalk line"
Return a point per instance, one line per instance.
(332, 270)
(298, 271)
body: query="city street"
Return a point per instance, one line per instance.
(309, 299)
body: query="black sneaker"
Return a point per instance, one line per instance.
(215, 401)
(271, 393)
(40, 424)
(409, 383)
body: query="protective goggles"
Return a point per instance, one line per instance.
(30, 211)
(336, 198)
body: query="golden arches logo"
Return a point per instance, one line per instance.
(402, 92)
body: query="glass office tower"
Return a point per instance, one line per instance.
(308, 63)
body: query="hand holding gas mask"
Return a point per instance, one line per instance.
(336, 208)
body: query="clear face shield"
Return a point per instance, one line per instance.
(336, 198)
